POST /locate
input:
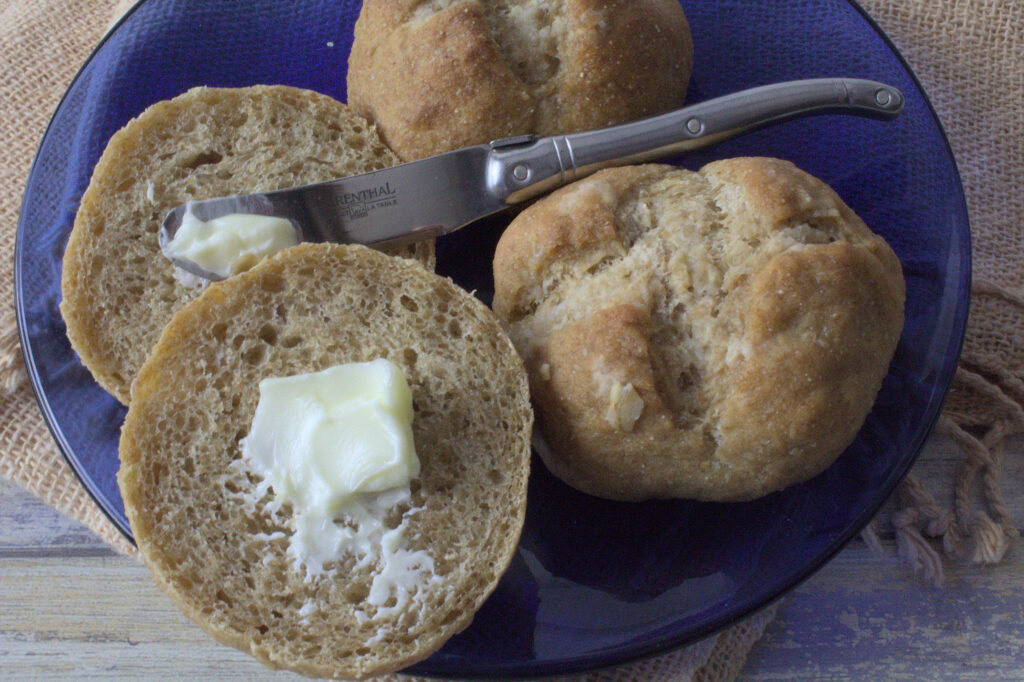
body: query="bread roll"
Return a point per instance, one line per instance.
(716, 335)
(438, 75)
(214, 542)
(118, 288)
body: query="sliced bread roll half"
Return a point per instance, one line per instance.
(118, 288)
(216, 540)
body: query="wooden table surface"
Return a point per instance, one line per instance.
(70, 608)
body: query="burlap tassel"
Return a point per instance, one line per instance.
(869, 534)
(991, 531)
(919, 520)
(12, 369)
(914, 549)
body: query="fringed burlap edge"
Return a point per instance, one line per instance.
(977, 527)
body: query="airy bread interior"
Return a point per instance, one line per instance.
(219, 548)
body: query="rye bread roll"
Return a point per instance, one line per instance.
(213, 539)
(716, 335)
(438, 75)
(118, 288)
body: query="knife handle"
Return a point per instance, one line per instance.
(524, 167)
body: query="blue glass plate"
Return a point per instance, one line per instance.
(594, 583)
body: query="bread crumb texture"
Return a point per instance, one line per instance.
(118, 288)
(213, 536)
(438, 75)
(715, 335)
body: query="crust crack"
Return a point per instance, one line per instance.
(529, 35)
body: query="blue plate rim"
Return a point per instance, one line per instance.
(635, 652)
(26, 347)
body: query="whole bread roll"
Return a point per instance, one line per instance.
(118, 288)
(438, 75)
(716, 335)
(216, 542)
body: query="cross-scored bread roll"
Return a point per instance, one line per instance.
(213, 538)
(716, 335)
(438, 75)
(118, 288)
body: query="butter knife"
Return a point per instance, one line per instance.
(440, 194)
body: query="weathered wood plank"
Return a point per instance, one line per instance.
(104, 618)
(866, 616)
(30, 527)
(861, 617)
(73, 609)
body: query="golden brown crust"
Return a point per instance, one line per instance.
(438, 75)
(748, 309)
(305, 309)
(429, 88)
(118, 289)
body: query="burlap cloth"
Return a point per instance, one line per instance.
(967, 54)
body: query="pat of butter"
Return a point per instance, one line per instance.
(320, 439)
(337, 446)
(232, 243)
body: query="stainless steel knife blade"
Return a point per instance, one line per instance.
(405, 203)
